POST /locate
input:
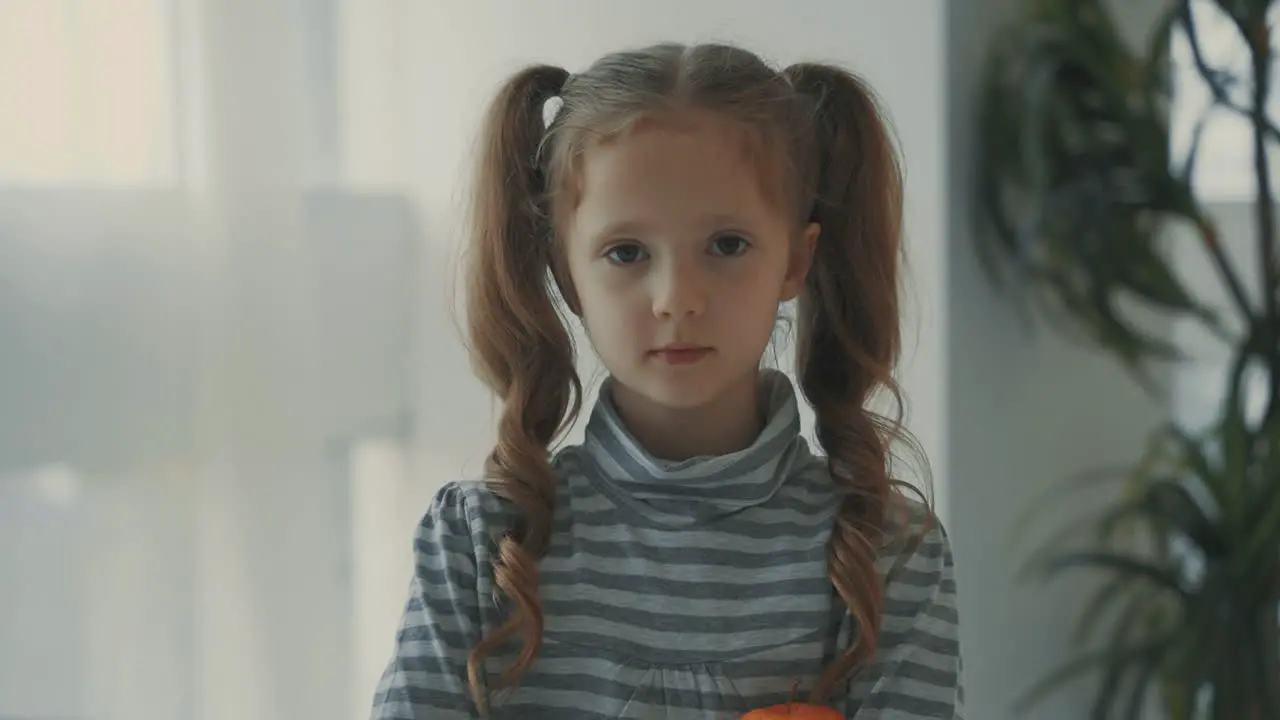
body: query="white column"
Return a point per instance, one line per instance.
(271, 617)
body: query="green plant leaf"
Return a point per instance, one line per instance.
(1046, 500)
(1197, 463)
(1148, 667)
(1079, 666)
(1098, 607)
(1123, 564)
(1263, 543)
(1122, 515)
(1185, 666)
(1158, 65)
(1245, 13)
(1115, 670)
(1169, 502)
(1258, 558)
(1076, 196)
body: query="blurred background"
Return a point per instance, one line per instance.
(230, 380)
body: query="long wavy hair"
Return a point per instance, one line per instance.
(822, 145)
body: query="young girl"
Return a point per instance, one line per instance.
(692, 558)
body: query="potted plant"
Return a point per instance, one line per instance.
(1078, 189)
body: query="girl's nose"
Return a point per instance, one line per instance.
(679, 293)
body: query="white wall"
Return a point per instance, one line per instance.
(125, 587)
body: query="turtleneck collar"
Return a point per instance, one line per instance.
(700, 489)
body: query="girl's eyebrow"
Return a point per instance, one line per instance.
(633, 228)
(622, 228)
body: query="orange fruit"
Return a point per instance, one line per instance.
(792, 710)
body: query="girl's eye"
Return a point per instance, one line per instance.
(626, 254)
(730, 245)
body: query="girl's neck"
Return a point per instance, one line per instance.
(726, 425)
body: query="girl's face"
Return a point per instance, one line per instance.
(679, 262)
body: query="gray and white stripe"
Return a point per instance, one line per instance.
(672, 590)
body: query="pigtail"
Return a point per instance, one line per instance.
(849, 337)
(520, 348)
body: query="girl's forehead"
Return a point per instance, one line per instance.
(681, 124)
(678, 152)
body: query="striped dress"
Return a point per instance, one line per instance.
(694, 589)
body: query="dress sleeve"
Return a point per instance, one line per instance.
(918, 672)
(426, 678)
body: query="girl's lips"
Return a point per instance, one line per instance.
(682, 355)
